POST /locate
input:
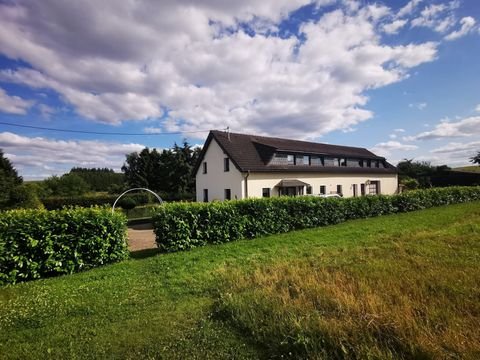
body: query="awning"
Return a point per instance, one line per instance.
(291, 183)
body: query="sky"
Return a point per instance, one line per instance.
(400, 78)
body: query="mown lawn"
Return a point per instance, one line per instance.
(399, 286)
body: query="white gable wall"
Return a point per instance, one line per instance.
(216, 180)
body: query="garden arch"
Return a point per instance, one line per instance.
(136, 189)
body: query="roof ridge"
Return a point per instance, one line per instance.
(285, 139)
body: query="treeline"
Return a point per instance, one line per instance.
(167, 172)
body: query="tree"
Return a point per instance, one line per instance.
(66, 185)
(169, 171)
(475, 159)
(9, 178)
(419, 170)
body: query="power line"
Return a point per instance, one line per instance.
(100, 132)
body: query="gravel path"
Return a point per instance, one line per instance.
(141, 237)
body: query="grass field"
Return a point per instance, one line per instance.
(473, 168)
(401, 286)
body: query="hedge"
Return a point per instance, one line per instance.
(58, 202)
(40, 243)
(183, 226)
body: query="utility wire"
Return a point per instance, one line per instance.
(100, 132)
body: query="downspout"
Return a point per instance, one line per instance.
(246, 183)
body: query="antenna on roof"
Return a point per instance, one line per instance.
(228, 132)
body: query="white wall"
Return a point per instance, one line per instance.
(257, 181)
(216, 180)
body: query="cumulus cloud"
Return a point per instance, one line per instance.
(13, 104)
(447, 129)
(38, 157)
(408, 8)
(395, 26)
(390, 147)
(438, 17)
(455, 153)
(467, 26)
(128, 62)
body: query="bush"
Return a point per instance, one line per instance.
(182, 226)
(24, 197)
(39, 243)
(53, 203)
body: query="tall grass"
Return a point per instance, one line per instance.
(416, 295)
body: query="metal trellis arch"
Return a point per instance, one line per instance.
(134, 189)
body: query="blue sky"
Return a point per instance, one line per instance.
(397, 77)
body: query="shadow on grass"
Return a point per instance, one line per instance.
(143, 254)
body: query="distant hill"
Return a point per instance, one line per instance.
(473, 168)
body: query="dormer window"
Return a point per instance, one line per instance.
(290, 160)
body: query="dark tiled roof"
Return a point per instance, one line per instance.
(253, 153)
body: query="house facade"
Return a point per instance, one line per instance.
(238, 166)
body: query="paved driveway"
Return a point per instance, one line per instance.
(141, 237)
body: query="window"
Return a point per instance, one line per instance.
(309, 190)
(228, 194)
(306, 160)
(362, 189)
(339, 190)
(354, 188)
(291, 160)
(323, 189)
(266, 192)
(205, 195)
(360, 163)
(342, 162)
(226, 164)
(316, 161)
(336, 162)
(204, 167)
(369, 163)
(374, 187)
(377, 163)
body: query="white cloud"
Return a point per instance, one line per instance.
(152, 130)
(13, 104)
(419, 106)
(392, 136)
(46, 111)
(399, 130)
(438, 17)
(408, 8)
(395, 26)
(455, 153)
(467, 26)
(130, 63)
(477, 108)
(447, 129)
(38, 157)
(390, 147)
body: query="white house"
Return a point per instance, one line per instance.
(239, 166)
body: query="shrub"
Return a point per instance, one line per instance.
(53, 203)
(40, 243)
(188, 225)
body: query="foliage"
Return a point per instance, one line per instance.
(127, 203)
(58, 202)
(40, 243)
(168, 171)
(475, 159)
(24, 197)
(415, 275)
(8, 178)
(66, 185)
(100, 179)
(182, 226)
(410, 183)
(421, 171)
